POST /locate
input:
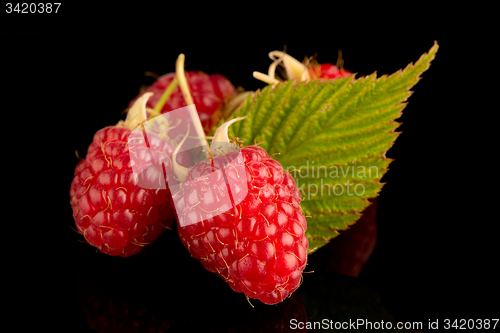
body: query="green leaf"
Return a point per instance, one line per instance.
(332, 136)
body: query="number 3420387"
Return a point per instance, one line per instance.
(32, 8)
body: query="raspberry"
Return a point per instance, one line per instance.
(258, 246)
(111, 211)
(328, 71)
(210, 94)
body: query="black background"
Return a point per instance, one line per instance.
(67, 76)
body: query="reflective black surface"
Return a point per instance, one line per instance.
(161, 291)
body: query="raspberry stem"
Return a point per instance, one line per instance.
(161, 102)
(179, 71)
(164, 97)
(181, 77)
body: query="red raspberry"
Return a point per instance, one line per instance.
(110, 210)
(328, 71)
(210, 93)
(259, 246)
